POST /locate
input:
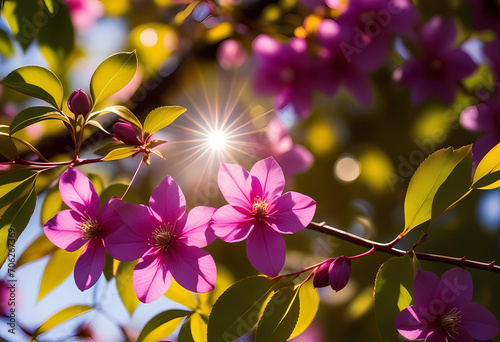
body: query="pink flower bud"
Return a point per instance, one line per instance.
(79, 102)
(321, 277)
(125, 132)
(339, 272)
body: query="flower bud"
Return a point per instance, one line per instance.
(125, 132)
(79, 102)
(321, 277)
(339, 272)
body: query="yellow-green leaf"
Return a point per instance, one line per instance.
(161, 117)
(22, 18)
(15, 184)
(114, 73)
(61, 317)
(199, 326)
(162, 325)
(182, 296)
(38, 249)
(125, 286)
(7, 147)
(6, 47)
(121, 111)
(309, 305)
(487, 175)
(404, 299)
(32, 115)
(120, 153)
(51, 205)
(36, 81)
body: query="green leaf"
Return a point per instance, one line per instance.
(7, 147)
(114, 73)
(238, 309)
(121, 111)
(392, 276)
(15, 219)
(59, 267)
(487, 175)
(185, 334)
(23, 19)
(51, 205)
(104, 150)
(161, 117)
(50, 5)
(309, 305)
(120, 153)
(36, 81)
(182, 296)
(6, 47)
(280, 316)
(162, 325)
(125, 287)
(199, 327)
(38, 249)
(15, 184)
(56, 38)
(429, 177)
(60, 317)
(32, 115)
(404, 299)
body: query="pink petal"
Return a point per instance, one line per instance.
(151, 278)
(321, 277)
(424, 288)
(265, 47)
(460, 64)
(139, 218)
(63, 230)
(271, 178)
(89, 266)
(296, 160)
(437, 335)
(278, 136)
(360, 88)
(78, 192)
(168, 201)
(373, 54)
(230, 225)
(302, 102)
(266, 250)
(192, 267)
(462, 336)
(196, 231)
(409, 324)
(232, 180)
(108, 218)
(291, 213)
(439, 34)
(479, 322)
(455, 288)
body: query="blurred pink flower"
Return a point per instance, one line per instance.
(4, 298)
(334, 272)
(82, 225)
(443, 311)
(278, 143)
(84, 12)
(230, 54)
(258, 212)
(441, 66)
(168, 243)
(287, 71)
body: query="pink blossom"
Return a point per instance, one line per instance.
(443, 311)
(287, 71)
(258, 212)
(4, 298)
(230, 54)
(82, 225)
(84, 12)
(168, 243)
(278, 143)
(440, 67)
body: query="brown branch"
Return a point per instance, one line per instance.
(389, 249)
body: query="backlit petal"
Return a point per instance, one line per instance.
(266, 250)
(424, 288)
(271, 178)
(291, 213)
(89, 266)
(409, 324)
(231, 225)
(196, 230)
(78, 192)
(151, 278)
(232, 180)
(168, 201)
(63, 230)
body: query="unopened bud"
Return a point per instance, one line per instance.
(125, 132)
(321, 277)
(339, 272)
(79, 102)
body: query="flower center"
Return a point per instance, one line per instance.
(287, 75)
(436, 64)
(90, 229)
(259, 207)
(163, 236)
(451, 321)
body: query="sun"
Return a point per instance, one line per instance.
(217, 140)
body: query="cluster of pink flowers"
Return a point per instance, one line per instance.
(167, 241)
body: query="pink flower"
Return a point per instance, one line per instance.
(258, 212)
(82, 225)
(231, 54)
(4, 299)
(334, 272)
(278, 143)
(84, 12)
(167, 241)
(440, 67)
(443, 311)
(287, 71)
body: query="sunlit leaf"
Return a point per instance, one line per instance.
(59, 267)
(161, 117)
(36, 81)
(199, 327)
(309, 305)
(404, 299)
(60, 317)
(50, 5)
(208, 299)
(104, 150)
(162, 325)
(185, 334)
(38, 249)
(280, 316)
(125, 287)
(6, 47)
(22, 18)
(238, 309)
(114, 73)
(426, 181)
(487, 175)
(14, 184)
(96, 181)
(120, 153)
(32, 115)
(182, 296)
(121, 111)
(391, 277)
(51, 205)
(7, 147)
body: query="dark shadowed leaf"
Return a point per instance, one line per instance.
(22, 17)
(15, 184)
(7, 147)
(162, 325)
(6, 47)
(32, 115)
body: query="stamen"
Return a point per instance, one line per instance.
(451, 321)
(90, 229)
(259, 207)
(163, 236)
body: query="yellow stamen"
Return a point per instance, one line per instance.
(90, 229)
(163, 236)
(259, 207)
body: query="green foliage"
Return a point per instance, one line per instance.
(392, 285)
(7, 147)
(38, 249)
(114, 73)
(162, 325)
(120, 153)
(121, 111)
(6, 47)
(14, 184)
(309, 305)
(61, 317)
(125, 286)
(38, 82)
(21, 18)
(487, 175)
(161, 117)
(32, 115)
(430, 176)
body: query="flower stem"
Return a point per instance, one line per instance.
(133, 178)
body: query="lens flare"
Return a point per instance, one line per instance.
(217, 140)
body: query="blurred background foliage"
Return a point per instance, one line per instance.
(364, 156)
